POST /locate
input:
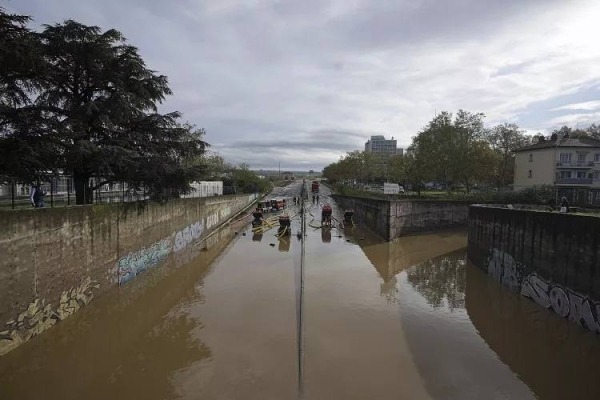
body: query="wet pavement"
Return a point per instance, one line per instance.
(410, 319)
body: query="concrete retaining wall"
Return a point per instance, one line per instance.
(551, 258)
(410, 216)
(54, 261)
(392, 219)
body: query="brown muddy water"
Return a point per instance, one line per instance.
(409, 319)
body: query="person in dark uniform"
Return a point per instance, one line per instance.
(564, 205)
(326, 214)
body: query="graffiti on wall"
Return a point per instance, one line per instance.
(40, 315)
(138, 261)
(212, 220)
(225, 212)
(560, 299)
(503, 268)
(563, 301)
(186, 236)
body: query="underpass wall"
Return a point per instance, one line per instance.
(394, 218)
(551, 258)
(412, 216)
(55, 261)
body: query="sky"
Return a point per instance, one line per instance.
(300, 83)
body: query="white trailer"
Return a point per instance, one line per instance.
(391, 188)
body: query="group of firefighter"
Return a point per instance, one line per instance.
(284, 220)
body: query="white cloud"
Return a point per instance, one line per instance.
(588, 105)
(574, 119)
(276, 72)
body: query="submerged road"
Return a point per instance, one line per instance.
(410, 319)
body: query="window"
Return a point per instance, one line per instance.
(597, 175)
(565, 158)
(580, 156)
(597, 157)
(565, 174)
(581, 175)
(530, 157)
(529, 175)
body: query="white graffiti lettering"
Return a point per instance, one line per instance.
(186, 236)
(225, 212)
(503, 268)
(212, 220)
(536, 289)
(563, 301)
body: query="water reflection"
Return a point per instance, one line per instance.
(556, 358)
(390, 258)
(284, 244)
(326, 234)
(257, 237)
(389, 290)
(441, 281)
(141, 334)
(469, 314)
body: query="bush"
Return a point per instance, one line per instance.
(540, 195)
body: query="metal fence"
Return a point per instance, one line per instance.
(60, 192)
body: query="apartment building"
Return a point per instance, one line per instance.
(572, 165)
(379, 145)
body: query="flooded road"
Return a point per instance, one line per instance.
(409, 319)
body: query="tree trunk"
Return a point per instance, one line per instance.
(83, 194)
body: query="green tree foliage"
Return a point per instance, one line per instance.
(593, 130)
(360, 167)
(504, 139)
(441, 281)
(246, 180)
(20, 69)
(93, 113)
(452, 149)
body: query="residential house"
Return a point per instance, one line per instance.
(571, 164)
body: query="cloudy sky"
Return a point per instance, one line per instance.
(302, 82)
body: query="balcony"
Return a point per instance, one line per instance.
(573, 181)
(575, 164)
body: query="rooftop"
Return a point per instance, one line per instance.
(588, 142)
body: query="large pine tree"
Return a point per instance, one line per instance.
(90, 110)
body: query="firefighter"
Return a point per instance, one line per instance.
(258, 217)
(326, 212)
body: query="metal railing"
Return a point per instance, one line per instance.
(60, 192)
(573, 181)
(574, 164)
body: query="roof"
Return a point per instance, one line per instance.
(586, 142)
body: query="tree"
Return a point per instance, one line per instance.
(396, 171)
(93, 114)
(20, 69)
(504, 139)
(594, 131)
(451, 149)
(246, 180)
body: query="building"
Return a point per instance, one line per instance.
(379, 145)
(570, 164)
